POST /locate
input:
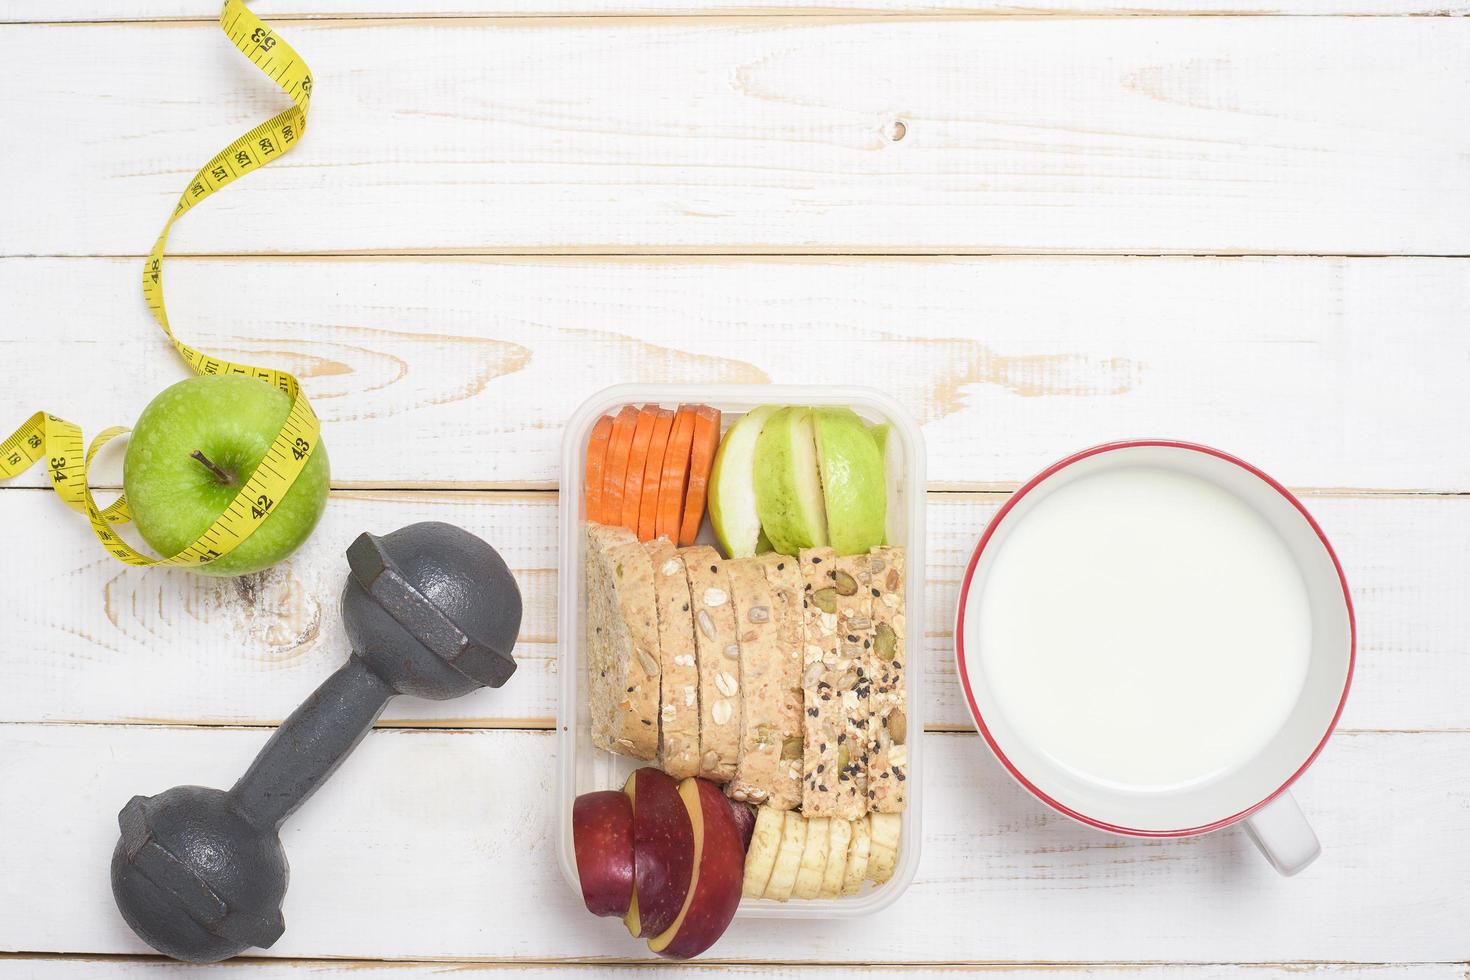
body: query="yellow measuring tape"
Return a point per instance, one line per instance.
(60, 442)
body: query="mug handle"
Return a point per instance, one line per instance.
(1282, 833)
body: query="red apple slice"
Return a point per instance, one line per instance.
(744, 815)
(719, 870)
(602, 837)
(663, 852)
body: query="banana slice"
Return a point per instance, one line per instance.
(765, 841)
(885, 828)
(788, 858)
(839, 837)
(857, 857)
(813, 859)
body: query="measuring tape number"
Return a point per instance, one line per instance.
(45, 436)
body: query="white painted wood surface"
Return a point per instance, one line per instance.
(34, 968)
(280, 11)
(1182, 134)
(193, 650)
(604, 137)
(439, 844)
(1301, 365)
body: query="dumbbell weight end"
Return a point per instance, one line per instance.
(431, 611)
(166, 839)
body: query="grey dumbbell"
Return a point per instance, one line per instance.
(431, 611)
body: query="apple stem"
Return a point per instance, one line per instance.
(218, 471)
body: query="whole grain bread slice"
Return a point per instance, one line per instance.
(622, 644)
(761, 773)
(718, 656)
(783, 572)
(678, 747)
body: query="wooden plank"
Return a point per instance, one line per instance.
(1228, 135)
(246, 650)
(1327, 372)
(44, 968)
(281, 11)
(90, 640)
(439, 844)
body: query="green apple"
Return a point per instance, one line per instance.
(852, 480)
(788, 487)
(192, 450)
(732, 509)
(892, 454)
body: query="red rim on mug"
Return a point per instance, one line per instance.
(959, 634)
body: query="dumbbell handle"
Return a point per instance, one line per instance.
(311, 744)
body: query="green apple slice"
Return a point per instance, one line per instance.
(788, 484)
(852, 480)
(732, 509)
(892, 453)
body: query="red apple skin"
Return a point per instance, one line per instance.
(744, 815)
(663, 850)
(602, 836)
(721, 874)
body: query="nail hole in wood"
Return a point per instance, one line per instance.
(897, 130)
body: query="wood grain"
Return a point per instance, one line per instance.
(1213, 135)
(439, 844)
(281, 11)
(91, 640)
(452, 139)
(1326, 372)
(48, 968)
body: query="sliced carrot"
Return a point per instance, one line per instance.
(637, 461)
(653, 475)
(596, 460)
(615, 470)
(701, 460)
(675, 477)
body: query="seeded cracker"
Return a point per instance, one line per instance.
(823, 792)
(718, 656)
(888, 700)
(853, 585)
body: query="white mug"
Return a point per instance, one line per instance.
(1253, 788)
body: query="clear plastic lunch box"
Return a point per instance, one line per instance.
(583, 768)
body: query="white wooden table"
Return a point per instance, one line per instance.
(1039, 225)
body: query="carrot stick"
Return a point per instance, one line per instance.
(701, 460)
(653, 475)
(615, 471)
(596, 461)
(637, 461)
(675, 476)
